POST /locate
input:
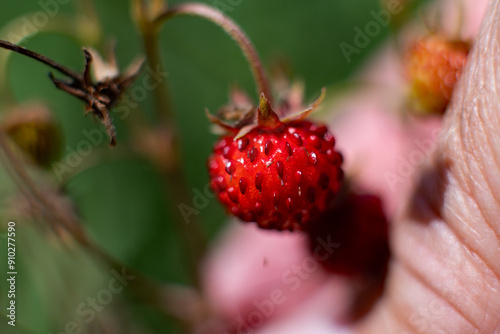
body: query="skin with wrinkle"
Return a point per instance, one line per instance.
(447, 254)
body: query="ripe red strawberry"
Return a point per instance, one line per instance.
(279, 173)
(358, 226)
(433, 66)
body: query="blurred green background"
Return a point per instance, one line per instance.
(119, 195)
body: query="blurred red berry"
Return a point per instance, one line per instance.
(359, 229)
(433, 66)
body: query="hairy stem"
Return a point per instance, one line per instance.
(232, 29)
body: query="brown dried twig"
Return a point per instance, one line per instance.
(100, 96)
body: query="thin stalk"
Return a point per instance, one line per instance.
(166, 299)
(232, 29)
(70, 26)
(41, 58)
(50, 212)
(195, 242)
(178, 302)
(163, 103)
(174, 180)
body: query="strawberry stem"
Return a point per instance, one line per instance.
(173, 178)
(232, 29)
(143, 15)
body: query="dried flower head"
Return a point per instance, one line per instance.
(101, 96)
(35, 131)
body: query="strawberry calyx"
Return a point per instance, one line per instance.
(239, 117)
(266, 116)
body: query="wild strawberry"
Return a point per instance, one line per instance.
(358, 226)
(277, 172)
(433, 66)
